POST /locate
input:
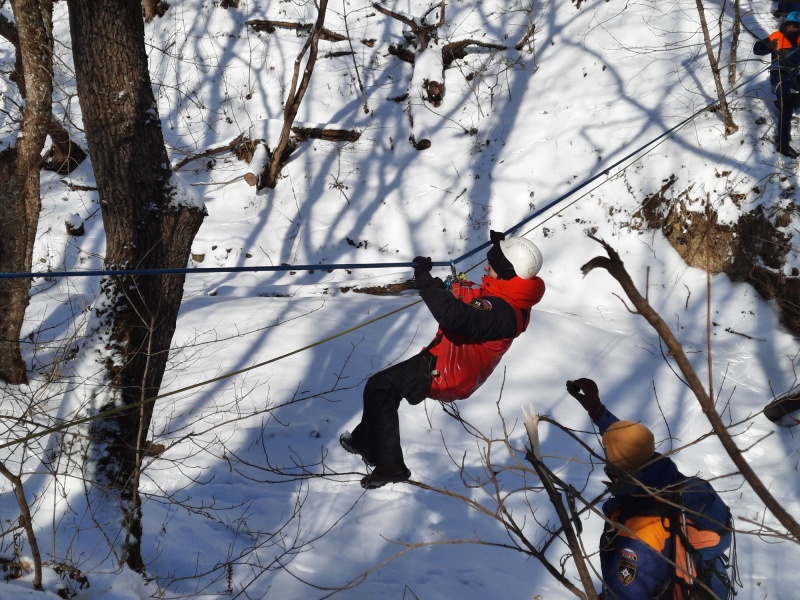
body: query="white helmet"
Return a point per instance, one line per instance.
(523, 255)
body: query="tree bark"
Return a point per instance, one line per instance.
(64, 155)
(147, 225)
(26, 521)
(737, 31)
(19, 175)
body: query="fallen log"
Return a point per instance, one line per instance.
(323, 133)
(782, 411)
(270, 26)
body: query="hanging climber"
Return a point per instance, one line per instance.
(783, 73)
(476, 327)
(666, 534)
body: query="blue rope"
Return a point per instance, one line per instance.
(350, 266)
(188, 271)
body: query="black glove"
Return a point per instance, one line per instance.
(585, 391)
(422, 271)
(424, 264)
(496, 236)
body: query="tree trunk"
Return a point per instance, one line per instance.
(148, 225)
(19, 176)
(737, 31)
(730, 126)
(297, 90)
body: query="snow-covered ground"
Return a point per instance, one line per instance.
(222, 517)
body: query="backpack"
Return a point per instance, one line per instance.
(702, 545)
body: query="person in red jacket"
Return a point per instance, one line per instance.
(476, 327)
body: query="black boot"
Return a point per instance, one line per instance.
(385, 474)
(346, 441)
(785, 149)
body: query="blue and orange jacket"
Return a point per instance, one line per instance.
(781, 47)
(634, 553)
(476, 328)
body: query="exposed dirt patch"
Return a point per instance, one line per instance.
(382, 290)
(754, 250)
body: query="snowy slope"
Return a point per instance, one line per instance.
(528, 127)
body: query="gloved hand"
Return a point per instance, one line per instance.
(422, 272)
(424, 264)
(496, 236)
(585, 391)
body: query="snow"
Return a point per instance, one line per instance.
(267, 368)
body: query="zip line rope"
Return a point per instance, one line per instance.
(639, 153)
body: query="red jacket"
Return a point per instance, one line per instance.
(465, 362)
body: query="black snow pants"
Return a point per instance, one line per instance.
(378, 433)
(785, 86)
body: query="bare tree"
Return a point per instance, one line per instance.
(266, 162)
(549, 480)
(19, 172)
(737, 31)
(27, 524)
(730, 126)
(150, 221)
(32, 38)
(297, 90)
(503, 486)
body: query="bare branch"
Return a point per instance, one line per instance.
(616, 268)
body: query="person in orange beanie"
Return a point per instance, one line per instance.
(641, 544)
(628, 445)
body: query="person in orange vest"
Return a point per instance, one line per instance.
(643, 552)
(476, 327)
(782, 46)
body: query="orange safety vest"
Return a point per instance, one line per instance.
(780, 41)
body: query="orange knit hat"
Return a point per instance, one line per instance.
(628, 445)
